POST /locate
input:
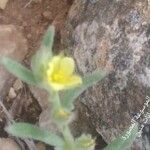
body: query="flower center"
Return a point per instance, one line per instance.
(59, 77)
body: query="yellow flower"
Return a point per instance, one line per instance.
(60, 73)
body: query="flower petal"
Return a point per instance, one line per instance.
(54, 64)
(67, 66)
(70, 82)
(57, 86)
(60, 73)
(74, 80)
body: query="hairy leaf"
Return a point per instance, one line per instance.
(88, 80)
(18, 70)
(25, 130)
(40, 60)
(49, 37)
(125, 140)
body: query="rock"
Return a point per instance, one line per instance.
(12, 44)
(18, 85)
(3, 4)
(12, 93)
(41, 96)
(112, 34)
(7, 144)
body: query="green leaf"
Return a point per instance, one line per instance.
(18, 70)
(49, 37)
(125, 140)
(39, 64)
(25, 130)
(89, 80)
(40, 60)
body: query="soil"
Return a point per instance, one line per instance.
(31, 17)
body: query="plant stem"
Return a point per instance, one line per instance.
(64, 128)
(55, 100)
(68, 138)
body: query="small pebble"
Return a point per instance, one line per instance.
(18, 85)
(12, 93)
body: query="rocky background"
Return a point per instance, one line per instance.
(104, 34)
(113, 35)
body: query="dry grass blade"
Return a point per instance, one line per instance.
(28, 3)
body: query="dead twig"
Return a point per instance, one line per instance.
(28, 3)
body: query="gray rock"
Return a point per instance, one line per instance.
(41, 96)
(12, 44)
(12, 94)
(18, 85)
(112, 34)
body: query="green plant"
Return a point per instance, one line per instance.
(55, 74)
